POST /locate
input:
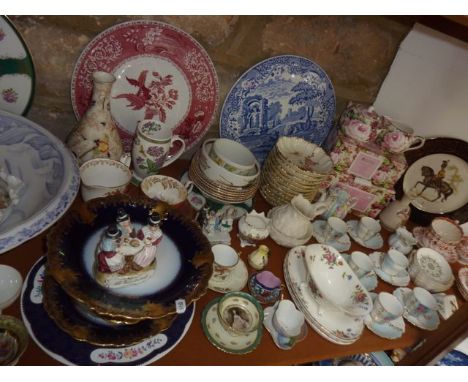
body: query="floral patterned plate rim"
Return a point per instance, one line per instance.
(46, 166)
(390, 330)
(161, 72)
(65, 349)
(429, 322)
(17, 76)
(375, 242)
(281, 96)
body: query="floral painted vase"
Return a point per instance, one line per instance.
(396, 214)
(96, 135)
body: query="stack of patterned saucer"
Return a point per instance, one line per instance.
(222, 183)
(118, 315)
(462, 282)
(294, 166)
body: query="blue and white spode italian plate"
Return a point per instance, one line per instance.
(48, 171)
(65, 349)
(281, 96)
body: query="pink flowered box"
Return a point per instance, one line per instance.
(368, 161)
(371, 200)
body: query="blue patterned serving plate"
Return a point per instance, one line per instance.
(280, 96)
(65, 349)
(49, 173)
(365, 359)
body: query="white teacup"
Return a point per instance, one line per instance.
(367, 228)
(225, 259)
(233, 156)
(386, 308)
(394, 262)
(420, 302)
(447, 230)
(360, 263)
(287, 320)
(103, 177)
(166, 189)
(335, 229)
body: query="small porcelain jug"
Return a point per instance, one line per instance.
(96, 135)
(396, 214)
(258, 259)
(151, 147)
(294, 219)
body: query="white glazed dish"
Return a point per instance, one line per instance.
(11, 282)
(50, 174)
(336, 281)
(217, 173)
(329, 322)
(429, 269)
(103, 177)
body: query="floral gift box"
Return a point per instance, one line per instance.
(368, 161)
(371, 200)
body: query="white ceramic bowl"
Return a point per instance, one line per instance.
(429, 270)
(217, 173)
(10, 285)
(103, 177)
(336, 281)
(233, 156)
(166, 189)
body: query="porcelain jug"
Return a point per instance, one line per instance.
(96, 135)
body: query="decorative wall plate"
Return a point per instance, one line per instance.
(282, 95)
(16, 70)
(162, 72)
(49, 173)
(184, 261)
(65, 349)
(439, 183)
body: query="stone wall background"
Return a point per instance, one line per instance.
(355, 51)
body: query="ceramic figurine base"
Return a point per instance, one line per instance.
(116, 280)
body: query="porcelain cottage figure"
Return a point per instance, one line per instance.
(125, 256)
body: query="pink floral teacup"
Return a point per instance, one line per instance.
(400, 138)
(150, 151)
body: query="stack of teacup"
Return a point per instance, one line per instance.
(294, 166)
(225, 171)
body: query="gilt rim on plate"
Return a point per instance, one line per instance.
(65, 259)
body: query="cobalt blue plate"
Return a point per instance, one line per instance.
(65, 349)
(280, 96)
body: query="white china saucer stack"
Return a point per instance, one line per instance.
(294, 166)
(333, 313)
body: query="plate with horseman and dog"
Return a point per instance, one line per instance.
(437, 183)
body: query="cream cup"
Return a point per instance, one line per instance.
(420, 302)
(287, 320)
(233, 156)
(386, 308)
(394, 262)
(103, 177)
(360, 263)
(166, 189)
(225, 259)
(335, 229)
(367, 228)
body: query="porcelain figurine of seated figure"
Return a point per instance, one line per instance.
(125, 256)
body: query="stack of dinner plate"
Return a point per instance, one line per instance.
(216, 170)
(294, 166)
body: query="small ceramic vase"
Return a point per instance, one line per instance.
(396, 214)
(258, 259)
(96, 135)
(150, 151)
(265, 287)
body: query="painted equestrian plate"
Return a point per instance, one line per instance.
(438, 182)
(16, 70)
(65, 349)
(281, 96)
(162, 72)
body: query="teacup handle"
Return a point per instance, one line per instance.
(173, 157)
(126, 159)
(188, 185)
(416, 139)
